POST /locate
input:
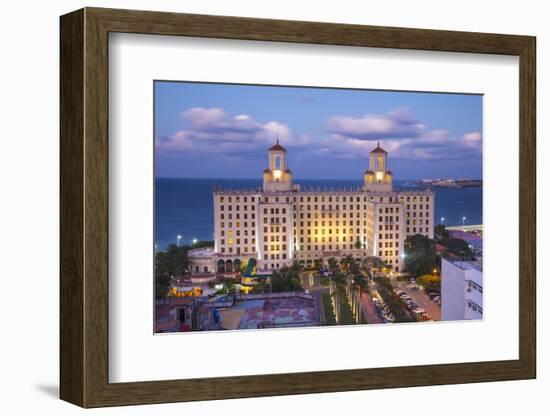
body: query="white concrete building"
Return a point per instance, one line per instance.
(461, 290)
(281, 223)
(202, 260)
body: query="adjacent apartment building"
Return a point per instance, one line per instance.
(281, 223)
(461, 290)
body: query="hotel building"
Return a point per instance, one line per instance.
(282, 223)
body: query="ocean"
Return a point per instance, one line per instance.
(185, 206)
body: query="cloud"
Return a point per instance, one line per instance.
(214, 130)
(214, 124)
(396, 124)
(178, 142)
(400, 133)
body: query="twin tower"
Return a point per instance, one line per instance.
(278, 177)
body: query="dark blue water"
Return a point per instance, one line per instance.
(185, 206)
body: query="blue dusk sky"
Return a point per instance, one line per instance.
(207, 130)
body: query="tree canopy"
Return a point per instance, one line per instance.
(420, 255)
(287, 279)
(430, 281)
(458, 247)
(441, 232)
(173, 262)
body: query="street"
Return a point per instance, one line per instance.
(311, 283)
(420, 298)
(369, 309)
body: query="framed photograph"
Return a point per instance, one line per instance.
(255, 207)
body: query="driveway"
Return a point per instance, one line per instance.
(420, 298)
(311, 282)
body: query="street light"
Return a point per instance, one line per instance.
(178, 238)
(442, 220)
(194, 241)
(463, 219)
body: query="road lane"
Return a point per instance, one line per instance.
(370, 310)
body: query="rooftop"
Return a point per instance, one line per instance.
(202, 252)
(378, 149)
(467, 265)
(278, 147)
(320, 191)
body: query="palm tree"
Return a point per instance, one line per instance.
(358, 285)
(373, 262)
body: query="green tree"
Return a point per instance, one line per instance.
(396, 305)
(286, 280)
(169, 263)
(349, 264)
(330, 318)
(441, 232)
(430, 281)
(420, 255)
(333, 265)
(162, 285)
(318, 263)
(458, 247)
(371, 263)
(359, 283)
(358, 244)
(261, 286)
(296, 267)
(201, 244)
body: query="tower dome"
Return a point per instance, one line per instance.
(378, 178)
(277, 177)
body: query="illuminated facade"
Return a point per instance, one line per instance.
(282, 223)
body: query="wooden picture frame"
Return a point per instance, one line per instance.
(84, 207)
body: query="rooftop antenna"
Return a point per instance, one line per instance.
(277, 137)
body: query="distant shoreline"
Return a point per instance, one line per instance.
(453, 183)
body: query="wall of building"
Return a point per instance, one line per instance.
(277, 227)
(281, 224)
(461, 291)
